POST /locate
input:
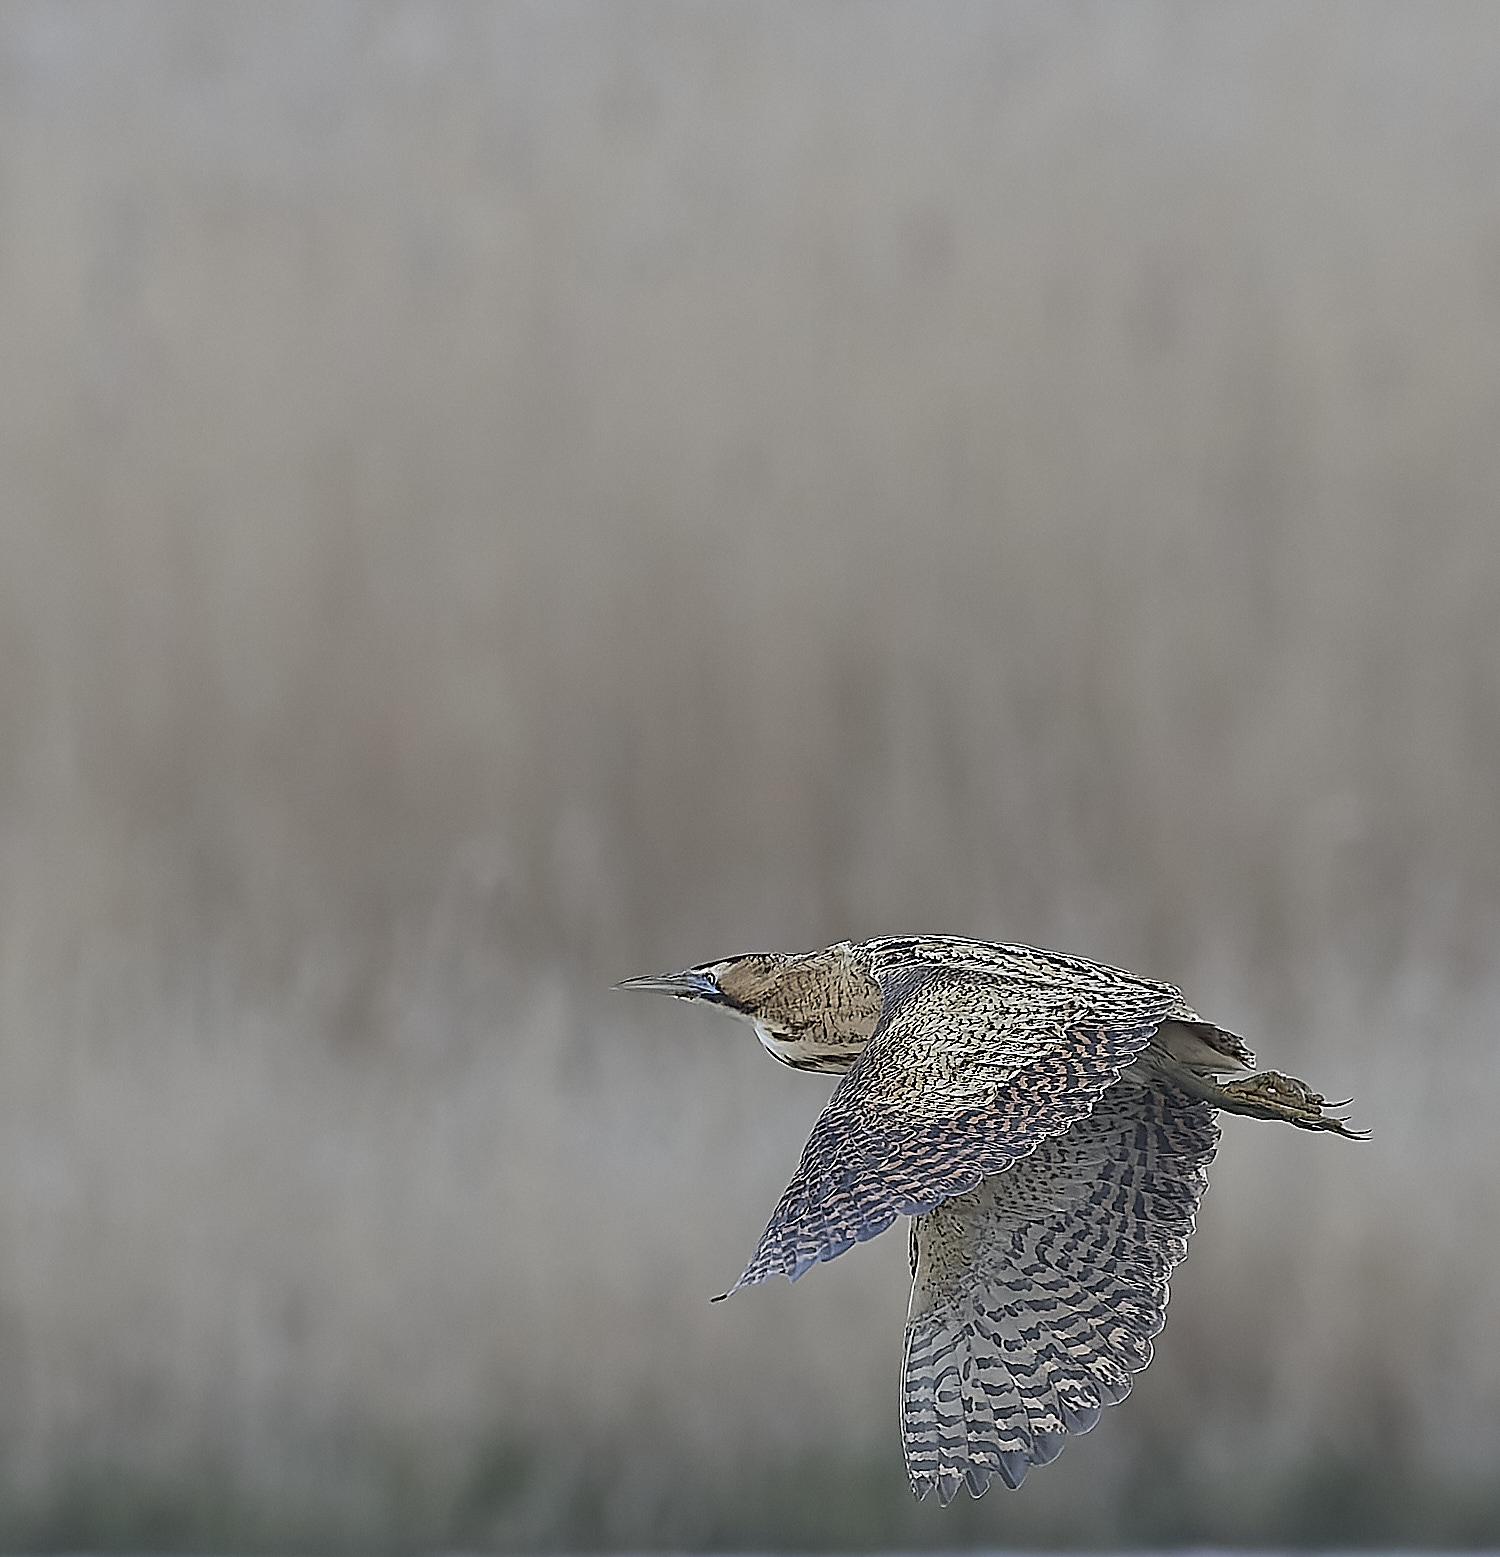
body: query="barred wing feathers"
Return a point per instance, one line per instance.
(1035, 1295)
(981, 1054)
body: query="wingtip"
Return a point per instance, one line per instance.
(744, 1281)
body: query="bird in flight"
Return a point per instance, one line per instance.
(1046, 1122)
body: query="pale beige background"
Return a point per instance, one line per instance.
(494, 499)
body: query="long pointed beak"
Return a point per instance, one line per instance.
(686, 986)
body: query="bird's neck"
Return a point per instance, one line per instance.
(819, 1011)
(808, 1050)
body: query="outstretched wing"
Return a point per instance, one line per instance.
(981, 1053)
(1035, 1297)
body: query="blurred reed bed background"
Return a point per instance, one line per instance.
(495, 499)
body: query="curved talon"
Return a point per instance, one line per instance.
(1271, 1095)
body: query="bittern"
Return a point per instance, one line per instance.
(1046, 1122)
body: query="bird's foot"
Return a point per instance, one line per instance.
(1270, 1095)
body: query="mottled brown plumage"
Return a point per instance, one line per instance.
(1047, 1121)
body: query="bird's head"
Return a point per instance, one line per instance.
(815, 1011)
(742, 984)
